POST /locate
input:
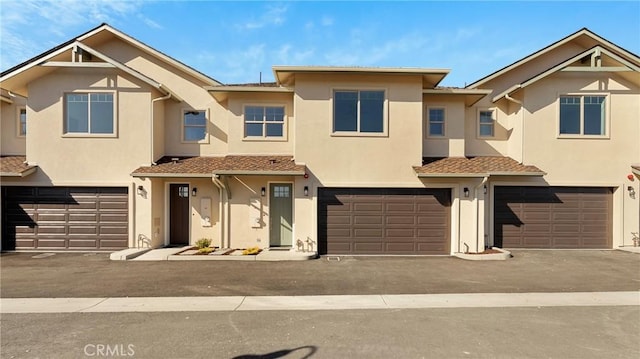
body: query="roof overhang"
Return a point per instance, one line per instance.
(24, 173)
(221, 93)
(285, 75)
(470, 96)
(167, 175)
(583, 37)
(257, 173)
(636, 170)
(479, 175)
(595, 52)
(17, 80)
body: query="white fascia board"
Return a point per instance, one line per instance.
(152, 51)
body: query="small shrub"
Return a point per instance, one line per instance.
(205, 250)
(251, 250)
(203, 243)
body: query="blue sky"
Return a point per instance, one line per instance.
(233, 41)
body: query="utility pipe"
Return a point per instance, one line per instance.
(168, 96)
(221, 217)
(484, 181)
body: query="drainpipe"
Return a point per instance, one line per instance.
(168, 96)
(484, 181)
(221, 216)
(508, 97)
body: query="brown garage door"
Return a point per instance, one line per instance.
(553, 217)
(383, 221)
(81, 218)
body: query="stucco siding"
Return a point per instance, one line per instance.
(10, 142)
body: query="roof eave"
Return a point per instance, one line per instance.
(24, 173)
(167, 175)
(258, 173)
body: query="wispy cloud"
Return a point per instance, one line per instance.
(56, 21)
(274, 14)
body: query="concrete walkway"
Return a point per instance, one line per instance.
(322, 302)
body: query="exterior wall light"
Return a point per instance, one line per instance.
(466, 191)
(194, 191)
(632, 192)
(263, 191)
(306, 191)
(485, 189)
(140, 191)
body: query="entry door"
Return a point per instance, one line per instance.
(179, 214)
(280, 214)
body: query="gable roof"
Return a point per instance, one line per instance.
(83, 38)
(108, 62)
(584, 32)
(596, 51)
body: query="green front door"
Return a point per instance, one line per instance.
(280, 214)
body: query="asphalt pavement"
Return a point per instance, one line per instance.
(85, 275)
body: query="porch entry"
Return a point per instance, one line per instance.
(280, 214)
(178, 214)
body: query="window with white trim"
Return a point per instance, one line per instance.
(486, 123)
(360, 111)
(22, 122)
(435, 121)
(194, 125)
(583, 115)
(264, 121)
(89, 113)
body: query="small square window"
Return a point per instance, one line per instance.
(194, 126)
(486, 123)
(435, 118)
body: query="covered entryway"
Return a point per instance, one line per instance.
(401, 221)
(179, 214)
(61, 218)
(553, 217)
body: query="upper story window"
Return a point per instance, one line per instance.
(359, 111)
(486, 123)
(583, 115)
(22, 122)
(194, 125)
(435, 119)
(264, 121)
(89, 113)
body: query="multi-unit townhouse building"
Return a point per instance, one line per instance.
(108, 143)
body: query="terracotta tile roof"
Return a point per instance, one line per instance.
(169, 166)
(14, 166)
(474, 167)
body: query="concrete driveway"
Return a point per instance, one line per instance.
(94, 275)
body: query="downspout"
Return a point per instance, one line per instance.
(221, 217)
(228, 218)
(508, 97)
(484, 181)
(151, 159)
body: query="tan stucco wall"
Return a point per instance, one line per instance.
(603, 162)
(356, 160)
(452, 144)
(238, 144)
(10, 142)
(86, 160)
